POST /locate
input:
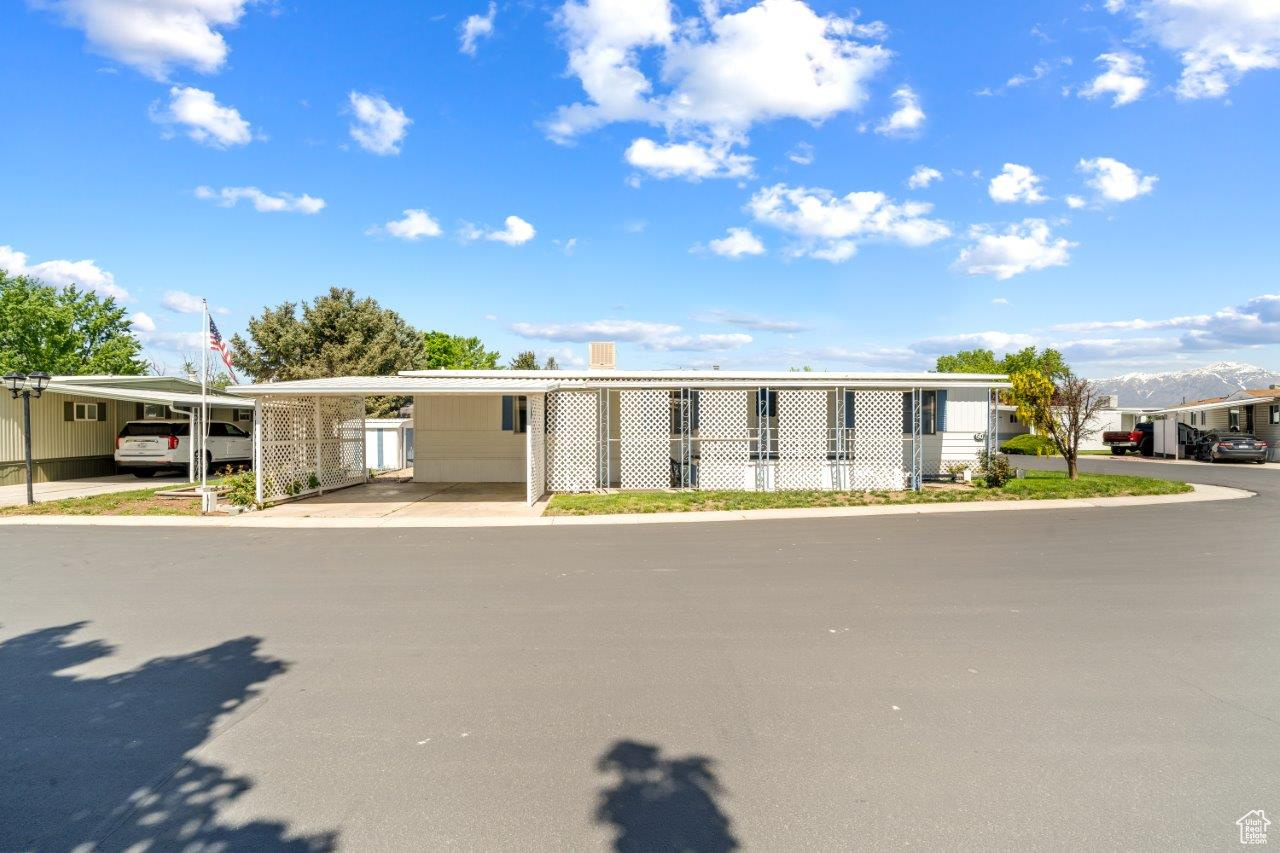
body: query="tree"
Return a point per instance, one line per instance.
(1063, 412)
(443, 351)
(526, 360)
(1048, 362)
(64, 331)
(551, 363)
(334, 335)
(969, 361)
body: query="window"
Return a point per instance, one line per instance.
(141, 429)
(233, 431)
(86, 411)
(515, 414)
(217, 430)
(1233, 420)
(153, 410)
(242, 415)
(766, 406)
(1274, 415)
(1013, 418)
(928, 412)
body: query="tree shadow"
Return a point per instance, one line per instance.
(659, 803)
(112, 762)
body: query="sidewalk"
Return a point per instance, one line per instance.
(263, 520)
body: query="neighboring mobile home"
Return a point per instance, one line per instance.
(1255, 411)
(573, 431)
(75, 422)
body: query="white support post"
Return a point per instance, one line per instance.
(257, 451)
(315, 414)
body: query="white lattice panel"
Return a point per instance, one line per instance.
(571, 441)
(644, 431)
(309, 444)
(535, 449)
(802, 439)
(724, 439)
(878, 449)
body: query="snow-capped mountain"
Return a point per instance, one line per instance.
(1167, 389)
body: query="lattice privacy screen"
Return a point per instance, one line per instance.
(571, 441)
(724, 439)
(535, 449)
(644, 430)
(802, 439)
(878, 448)
(310, 444)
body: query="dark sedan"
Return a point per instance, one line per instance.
(1231, 447)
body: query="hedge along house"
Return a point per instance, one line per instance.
(578, 431)
(75, 423)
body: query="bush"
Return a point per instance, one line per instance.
(1030, 445)
(994, 469)
(240, 488)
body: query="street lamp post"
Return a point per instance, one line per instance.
(22, 384)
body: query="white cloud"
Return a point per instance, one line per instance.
(690, 160)
(262, 202)
(753, 322)
(660, 337)
(1016, 183)
(999, 300)
(379, 127)
(907, 119)
(1124, 78)
(516, 232)
(181, 302)
(475, 28)
(922, 177)
(86, 274)
(205, 120)
(142, 322)
(997, 341)
(716, 75)
(1116, 181)
(801, 154)
(737, 243)
(1075, 202)
(1021, 247)
(1217, 41)
(414, 225)
(567, 246)
(155, 36)
(829, 227)
(1038, 72)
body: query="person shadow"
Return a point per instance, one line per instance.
(112, 762)
(659, 804)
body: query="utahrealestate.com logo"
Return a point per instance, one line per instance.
(1253, 827)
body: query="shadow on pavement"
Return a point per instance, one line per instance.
(108, 763)
(659, 804)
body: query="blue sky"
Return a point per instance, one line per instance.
(705, 183)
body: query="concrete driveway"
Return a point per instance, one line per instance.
(388, 498)
(17, 495)
(1086, 679)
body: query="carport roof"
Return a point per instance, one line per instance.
(1240, 398)
(366, 386)
(138, 395)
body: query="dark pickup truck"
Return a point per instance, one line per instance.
(1122, 441)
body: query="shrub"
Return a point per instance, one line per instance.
(994, 469)
(1030, 445)
(956, 469)
(240, 488)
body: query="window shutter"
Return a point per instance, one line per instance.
(139, 411)
(906, 413)
(508, 421)
(942, 411)
(68, 411)
(102, 410)
(848, 410)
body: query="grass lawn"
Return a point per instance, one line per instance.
(1038, 485)
(136, 502)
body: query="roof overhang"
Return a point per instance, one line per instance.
(137, 395)
(1219, 404)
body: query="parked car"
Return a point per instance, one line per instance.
(1122, 441)
(1231, 446)
(145, 447)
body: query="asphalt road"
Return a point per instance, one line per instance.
(1092, 679)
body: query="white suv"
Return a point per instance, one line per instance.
(145, 447)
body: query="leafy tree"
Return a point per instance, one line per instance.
(334, 335)
(551, 363)
(526, 360)
(64, 331)
(1048, 362)
(443, 351)
(1063, 412)
(969, 361)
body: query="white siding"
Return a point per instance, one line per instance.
(55, 438)
(459, 439)
(1262, 426)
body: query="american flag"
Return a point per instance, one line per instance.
(217, 343)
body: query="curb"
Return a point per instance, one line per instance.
(251, 521)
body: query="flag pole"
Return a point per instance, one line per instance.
(204, 396)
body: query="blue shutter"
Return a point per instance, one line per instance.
(848, 410)
(508, 421)
(942, 411)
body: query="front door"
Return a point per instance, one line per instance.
(1248, 419)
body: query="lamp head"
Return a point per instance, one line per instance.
(40, 380)
(14, 381)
